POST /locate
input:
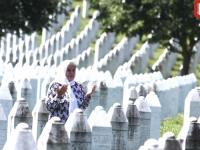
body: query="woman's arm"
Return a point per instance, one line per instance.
(53, 100)
(82, 97)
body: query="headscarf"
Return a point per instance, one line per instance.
(62, 79)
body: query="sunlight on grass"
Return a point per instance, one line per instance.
(172, 125)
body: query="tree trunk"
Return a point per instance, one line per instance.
(186, 61)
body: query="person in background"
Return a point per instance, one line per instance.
(64, 94)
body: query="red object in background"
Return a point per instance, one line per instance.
(197, 9)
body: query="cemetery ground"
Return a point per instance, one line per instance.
(170, 124)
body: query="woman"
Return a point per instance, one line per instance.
(64, 94)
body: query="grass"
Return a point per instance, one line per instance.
(172, 125)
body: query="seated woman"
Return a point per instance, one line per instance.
(64, 94)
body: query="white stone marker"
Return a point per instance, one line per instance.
(79, 131)
(145, 123)
(6, 99)
(155, 107)
(192, 105)
(40, 118)
(133, 117)
(3, 127)
(21, 139)
(101, 129)
(119, 124)
(20, 112)
(54, 136)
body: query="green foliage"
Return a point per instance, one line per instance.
(28, 16)
(172, 125)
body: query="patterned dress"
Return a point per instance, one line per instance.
(60, 106)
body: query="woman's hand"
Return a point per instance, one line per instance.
(61, 90)
(90, 92)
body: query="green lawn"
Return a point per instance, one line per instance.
(172, 125)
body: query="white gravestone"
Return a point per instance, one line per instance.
(24, 90)
(13, 91)
(145, 123)
(155, 107)
(133, 117)
(103, 93)
(141, 90)
(79, 131)
(192, 105)
(54, 136)
(21, 139)
(119, 124)
(101, 129)
(3, 127)
(33, 95)
(132, 95)
(111, 97)
(20, 112)
(6, 99)
(118, 90)
(160, 91)
(40, 118)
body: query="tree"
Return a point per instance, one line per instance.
(27, 16)
(164, 19)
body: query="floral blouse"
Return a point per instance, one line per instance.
(59, 106)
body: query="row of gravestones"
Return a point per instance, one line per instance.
(62, 41)
(47, 34)
(109, 93)
(138, 123)
(119, 128)
(139, 61)
(166, 60)
(34, 84)
(188, 138)
(168, 90)
(10, 41)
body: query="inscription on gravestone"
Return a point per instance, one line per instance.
(101, 142)
(119, 140)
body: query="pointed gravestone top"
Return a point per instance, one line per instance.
(24, 84)
(159, 86)
(152, 99)
(141, 90)
(116, 113)
(110, 83)
(77, 122)
(99, 118)
(133, 95)
(21, 138)
(142, 104)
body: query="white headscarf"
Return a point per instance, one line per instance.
(62, 79)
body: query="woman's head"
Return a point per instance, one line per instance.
(70, 70)
(66, 70)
